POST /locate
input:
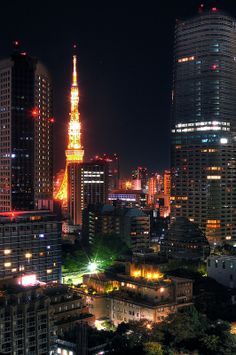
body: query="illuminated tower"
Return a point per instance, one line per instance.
(74, 151)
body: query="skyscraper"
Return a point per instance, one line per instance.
(88, 186)
(203, 184)
(113, 163)
(25, 134)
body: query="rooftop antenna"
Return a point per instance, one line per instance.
(16, 45)
(201, 8)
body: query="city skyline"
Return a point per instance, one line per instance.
(118, 178)
(125, 74)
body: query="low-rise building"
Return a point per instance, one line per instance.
(143, 293)
(68, 307)
(222, 269)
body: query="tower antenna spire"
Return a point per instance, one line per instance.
(74, 78)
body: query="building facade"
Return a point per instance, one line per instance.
(128, 198)
(30, 243)
(68, 307)
(113, 163)
(26, 321)
(141, 174)
(144, 294)
(131, 224)
(25, 134)
(203, 169)
(88, 186)
(185, 240)
(222, 269)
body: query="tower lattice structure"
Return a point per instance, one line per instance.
(74, 151)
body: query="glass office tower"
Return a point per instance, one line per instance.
(203, 149)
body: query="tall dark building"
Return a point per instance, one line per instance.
(203, 185)
(113, 163)
(88, 186)
(25, 134)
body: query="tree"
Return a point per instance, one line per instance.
(186, 326)
(152, 348)
(210, 343)
(106, 248)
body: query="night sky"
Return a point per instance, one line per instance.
(125, 69)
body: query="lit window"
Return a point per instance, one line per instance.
(223, 140)
(213, 177)
(7, 264)
(7, 251)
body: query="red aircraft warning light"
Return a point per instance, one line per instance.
(16, 43)
(214, 67)
(35, 112)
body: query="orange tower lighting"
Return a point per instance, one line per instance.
(74, 151)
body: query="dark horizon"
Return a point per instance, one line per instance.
(125, 71)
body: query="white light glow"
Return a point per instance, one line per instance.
(28, 280)
(92, 267)
(223, 140)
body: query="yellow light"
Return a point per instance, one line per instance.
(49, 271)
(213, 177)
(128, 185)
(179, 198)
(7, 264)
(214, 168)
(137, 273)
(7, 251)
(186, 59)
(28, 255)
(162, 289)
(156, 275)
